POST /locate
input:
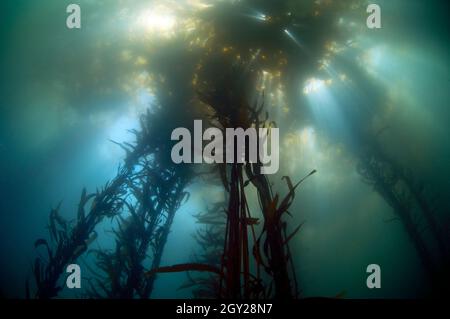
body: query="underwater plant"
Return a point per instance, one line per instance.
(230, 109)
(396, 184)
(270, 250)
(70, 239)
(156, 193)
(148, 189)
(211, 240)
(211, 72)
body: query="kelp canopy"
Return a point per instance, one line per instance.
(311, 69)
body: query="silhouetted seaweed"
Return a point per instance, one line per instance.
(211, 239)
(232, 110)
(70, 239)
(398, 187)
(147, 188)
(228, 103)
(156, 190)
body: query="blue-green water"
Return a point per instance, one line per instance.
(65, 93)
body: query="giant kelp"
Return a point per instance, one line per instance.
(411, 206)
(270, 249)
(392, 179)
(148, 189)
(231, 109)
(246, 254)
(156, 193)
(70, 239)
(210, 238)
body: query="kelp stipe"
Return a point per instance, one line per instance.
(156, 193)
(239, 277)
(230, 109)
(399, 188)
(70, 239)
(210, 238)
(157, 187)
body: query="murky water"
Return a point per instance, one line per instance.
(337, 90)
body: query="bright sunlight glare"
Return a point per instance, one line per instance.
(313, 85)
(157, 20)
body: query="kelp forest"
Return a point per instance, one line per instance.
(363, 151)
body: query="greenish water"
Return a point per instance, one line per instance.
(66, 93)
